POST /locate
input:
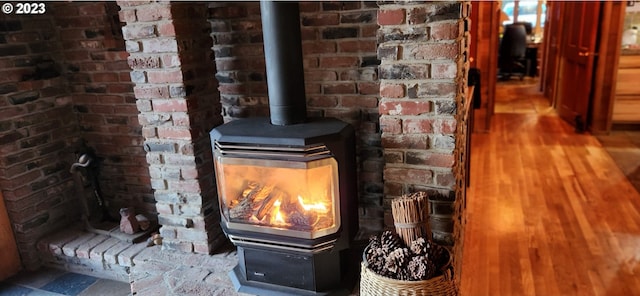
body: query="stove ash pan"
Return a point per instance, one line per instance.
(288, 187)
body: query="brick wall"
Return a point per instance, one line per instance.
(37, 125)
(236, 30)
(95, 62)
(170, 54)
(67, 81)
(341, 76)
(423, 77)
(397, 72)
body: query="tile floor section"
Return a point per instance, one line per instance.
(52, 282)
(624, 148)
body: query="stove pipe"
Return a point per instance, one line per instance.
(283, 59)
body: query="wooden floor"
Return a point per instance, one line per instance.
(548, 211)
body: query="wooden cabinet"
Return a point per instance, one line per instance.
(626, 108)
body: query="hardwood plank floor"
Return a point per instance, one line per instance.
(548, 211)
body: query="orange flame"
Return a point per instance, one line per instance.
(318, 207)
(277, 217)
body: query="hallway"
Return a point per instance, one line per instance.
(548, 210)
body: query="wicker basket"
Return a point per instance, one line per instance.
(373, 284)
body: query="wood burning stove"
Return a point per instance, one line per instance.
(287, 184)
(287, 197)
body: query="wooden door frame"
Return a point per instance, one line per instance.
(484, 30)
(9, 256)
(493, 60)
(610, 46)
(606, 67)
(549, 76)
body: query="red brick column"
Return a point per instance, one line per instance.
(422, 48)
(176, 93)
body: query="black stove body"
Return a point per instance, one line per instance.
(269, 164)
(287, 184)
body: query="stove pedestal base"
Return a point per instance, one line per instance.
(267, 272)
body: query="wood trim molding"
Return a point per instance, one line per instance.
(613, 13)
(9, 256)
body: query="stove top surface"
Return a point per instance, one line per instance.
(259, 130)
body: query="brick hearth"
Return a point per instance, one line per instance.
(149, 270)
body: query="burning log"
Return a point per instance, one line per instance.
(304, 219)
(250, 201)
(268, 205)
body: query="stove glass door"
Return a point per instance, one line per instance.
(292, 198)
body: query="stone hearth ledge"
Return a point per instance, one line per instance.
(149, 270)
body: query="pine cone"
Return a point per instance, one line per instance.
(438, 255)
(397, 260)
(402, 274)
(375, 255)
(390, 240)
(419, 246)
(372, 252)
(420, 268)
(374, 242)
(376, 260)
(387, 256)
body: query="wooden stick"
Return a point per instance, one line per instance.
(410, 216)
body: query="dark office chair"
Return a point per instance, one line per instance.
(512, 52)
(528, 27)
